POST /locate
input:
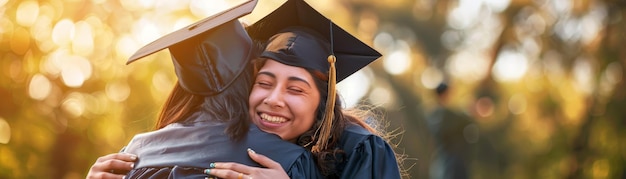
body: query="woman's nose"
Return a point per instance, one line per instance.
(274, 99)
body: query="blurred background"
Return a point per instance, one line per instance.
(534, 88)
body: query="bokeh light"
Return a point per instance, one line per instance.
(5, 132)
(74, 105)
(39, 87)
(583, 72)
(510, 66)
(117, 91)
(351, 89)
(398, 60)
(518, 104)
(469, 66)
(484, 107)
(75, 71)
(431, 77)
(382, 96)
(27, 13)
(83, 43)
(63, 32)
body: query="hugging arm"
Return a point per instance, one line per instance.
(112, 166)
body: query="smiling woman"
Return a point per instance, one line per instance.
(284, 100)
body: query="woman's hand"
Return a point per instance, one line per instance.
(239, 171)
(113, 166)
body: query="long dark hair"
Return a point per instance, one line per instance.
(230, 106)
(328, 158)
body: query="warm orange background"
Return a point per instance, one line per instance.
(542, 81)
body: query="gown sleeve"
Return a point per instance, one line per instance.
(304, 167)
(373, 157)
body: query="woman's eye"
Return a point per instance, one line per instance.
(296, 90)
(263, 84)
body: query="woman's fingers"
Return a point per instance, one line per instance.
(231, 166)
(118, 156)
(263, 160)
(104, 175)
(115, 166)
(112, 166)
(239, 171)
(227, 173)
(111, 162)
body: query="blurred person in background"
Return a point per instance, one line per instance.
(447, 128)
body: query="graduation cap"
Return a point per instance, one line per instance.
(298, 35)
(208, 55)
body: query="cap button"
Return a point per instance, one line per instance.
(331, 59)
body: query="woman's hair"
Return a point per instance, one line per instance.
(328, 157)
(178, 106)
(231, 105)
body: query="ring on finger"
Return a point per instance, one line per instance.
(240, 176)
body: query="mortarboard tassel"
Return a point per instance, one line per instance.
(329, 115)
(327, 121)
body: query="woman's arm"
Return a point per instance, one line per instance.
(114, 166)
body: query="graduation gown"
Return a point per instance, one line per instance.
(368, 155)
(184, 150)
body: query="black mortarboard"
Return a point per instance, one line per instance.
(351, 53)
(209, 54)
(298, 35)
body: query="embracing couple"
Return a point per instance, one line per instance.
(258, 102)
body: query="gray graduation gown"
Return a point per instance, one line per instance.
(184, 150)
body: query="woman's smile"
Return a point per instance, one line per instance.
(272, 119)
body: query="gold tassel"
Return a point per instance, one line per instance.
(327, 122)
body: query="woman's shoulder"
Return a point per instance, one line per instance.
(354, 132)
(368, 155)
(355, 136)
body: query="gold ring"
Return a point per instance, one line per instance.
(240, 176)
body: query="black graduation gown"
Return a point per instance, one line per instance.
(368, 155)
(184, 150)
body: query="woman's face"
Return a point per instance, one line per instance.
(283, 100)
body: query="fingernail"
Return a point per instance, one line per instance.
(211, 165)
(251, 151)
(133, 157)
(207, 171)
(132, 165)
(124, 177)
